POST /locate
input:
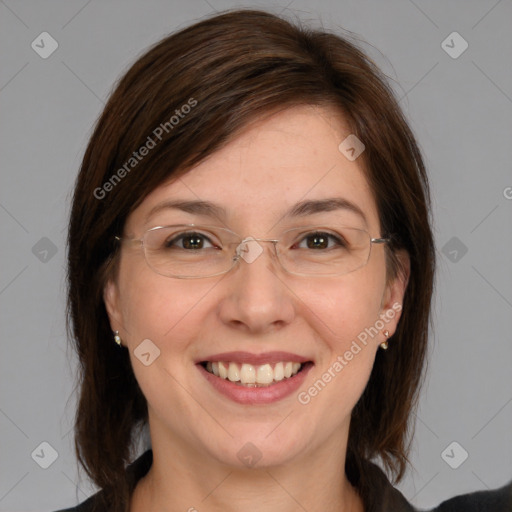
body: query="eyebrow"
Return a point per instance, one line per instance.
(301, 209)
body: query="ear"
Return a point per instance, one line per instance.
(393, 298)
(112, 304)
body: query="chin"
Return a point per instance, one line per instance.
(258, 449)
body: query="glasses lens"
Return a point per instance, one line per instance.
(202, 251)
(324, 250)
(189, 251)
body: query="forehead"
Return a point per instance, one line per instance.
(271, 165)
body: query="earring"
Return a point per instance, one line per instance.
(384, 344)
(117, 338)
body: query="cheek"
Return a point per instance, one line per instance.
(346, 307)
(159, 308)
(345, 313)
(166, 312)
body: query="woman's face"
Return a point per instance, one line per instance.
(260, 314)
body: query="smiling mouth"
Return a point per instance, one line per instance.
(253, 376)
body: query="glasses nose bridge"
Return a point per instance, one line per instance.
(244, 251)
(273, 240)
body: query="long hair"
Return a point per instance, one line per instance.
(229, 70)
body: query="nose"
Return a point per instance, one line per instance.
(256, 297)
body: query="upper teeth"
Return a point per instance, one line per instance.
(253, 374)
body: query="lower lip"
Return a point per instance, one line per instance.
(261, 395)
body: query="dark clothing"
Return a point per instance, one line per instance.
(384, 497)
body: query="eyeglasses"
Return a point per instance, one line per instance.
(188, 251)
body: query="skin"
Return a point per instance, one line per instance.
(195, 431)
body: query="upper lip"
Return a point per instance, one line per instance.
(255, 359)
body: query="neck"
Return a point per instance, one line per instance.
(180, 480)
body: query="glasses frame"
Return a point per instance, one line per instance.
(237, 256)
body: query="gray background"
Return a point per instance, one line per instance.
(461, 111)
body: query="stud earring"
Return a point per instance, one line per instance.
(117, 338)
(384, 344)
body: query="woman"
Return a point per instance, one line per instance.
(251, 227)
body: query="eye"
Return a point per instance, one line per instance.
(320, 240)
(189, 241)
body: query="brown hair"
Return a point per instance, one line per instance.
(234, 68)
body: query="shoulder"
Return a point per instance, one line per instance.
(85, 506)
(496, 500)
(135, 471)
(383, 497)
